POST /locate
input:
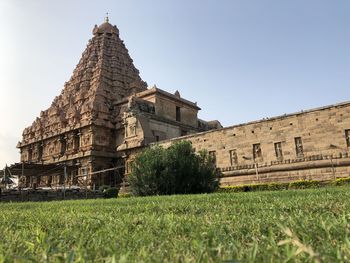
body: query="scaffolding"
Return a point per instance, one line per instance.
(29, 175)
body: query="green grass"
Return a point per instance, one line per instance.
(286, 226)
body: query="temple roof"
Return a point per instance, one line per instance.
(105, 27)
(104, 74)
(155, 90)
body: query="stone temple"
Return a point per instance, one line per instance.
(106, 114)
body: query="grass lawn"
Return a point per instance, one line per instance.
(284, 226)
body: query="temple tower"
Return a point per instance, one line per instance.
(79, 128)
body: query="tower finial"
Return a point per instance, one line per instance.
(106, 18)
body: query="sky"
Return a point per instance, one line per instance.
(241, 60)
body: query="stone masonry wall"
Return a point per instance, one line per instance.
(311, 139)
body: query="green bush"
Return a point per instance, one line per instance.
(303, 184)
(124, 195)
(111, 192)
(342, 181)
(231, 188)
(272, 186)
(175, 170)
(148, 171)
(277, 186)
(254, 187)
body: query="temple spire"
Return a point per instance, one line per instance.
(106, 18)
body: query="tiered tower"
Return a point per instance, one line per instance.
(79, 128)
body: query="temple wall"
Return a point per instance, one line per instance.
(68, 145)
(164, 130)
(104, 139)
(167, 108)
(303, 169)
(321, 134)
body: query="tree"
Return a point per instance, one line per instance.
(175, 170)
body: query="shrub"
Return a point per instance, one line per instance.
(231, 188)
(254, 187)
(175, 170)
(148, 172)
(303, 184)
(111, 192)
(124, 195)
(342, 181)
(275, 186)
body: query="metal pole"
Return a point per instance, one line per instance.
(5, 176)
(115, 178)
(22, 174)
(256, 171)
(64, 181)
(86, 178)
(333, 170)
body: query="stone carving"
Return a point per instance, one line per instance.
(86, 139)
(70, 143)
(299, 147)
(138, 105)
(347, 137)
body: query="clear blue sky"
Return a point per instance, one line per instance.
(241, 60)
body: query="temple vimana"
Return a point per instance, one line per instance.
(106, 114)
